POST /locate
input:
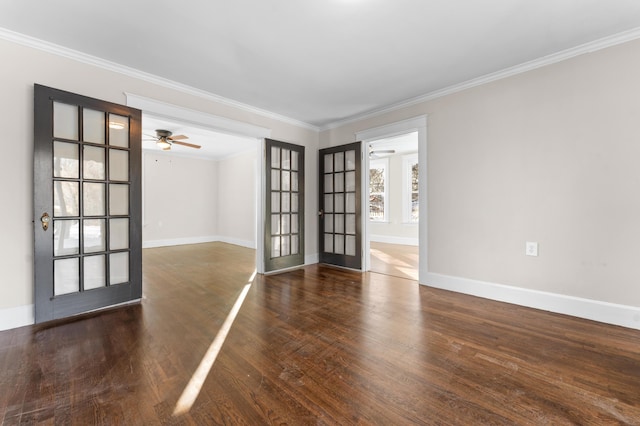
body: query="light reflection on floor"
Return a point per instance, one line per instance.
(395, 259)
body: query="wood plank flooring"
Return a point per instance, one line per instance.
(315, 346)
(397, 260)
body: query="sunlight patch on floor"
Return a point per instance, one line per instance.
(192, 390)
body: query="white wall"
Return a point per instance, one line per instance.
(179, 199)
(395, 230)
(236, 199)
(22, 67)
(550, 155)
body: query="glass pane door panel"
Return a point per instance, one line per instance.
(286, 223)
(92, 126)
(294, 202)
(328, 243)
(93, 163)
(66, 276)
(350, 184)
(338, 207)
(118, 165)
(339, 244)
(294, 224)
(294, 160)
(275, 157)
(328, 183)
(93, 199)
(286, 246)
(328, 223)
(275, 224)
(286, 200)
(65, 121)
(94, 272)
(65, 199)
(294, 245)
(94, 235)
(275, 180)
(328, 203)
(339, 162)
(118, 131)
(351, 202)
(350, 223)
(339, 223)
(351, 245)
(275, 246)
(118, 234)
(66, 239)
(294, 181)
(66, 160)
(338, 182)
(118, 268)
(275, 202)
(286, 159)
(118, 199)
(350, 160)
(286, 181)
(328, 163)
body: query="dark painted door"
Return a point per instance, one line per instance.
(284, 228)
(87, 204)
(340, 206)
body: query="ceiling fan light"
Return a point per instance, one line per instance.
(162, 143)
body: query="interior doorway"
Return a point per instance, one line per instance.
(393, 205)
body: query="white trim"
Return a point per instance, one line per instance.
(563, 55)
(164, 110)
(18, 316)
(415, 124)
(75, 55)
(180, 241)
(238, 242)
(389, 239)
(608, 313)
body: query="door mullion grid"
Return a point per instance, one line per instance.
(107, 198)
(81, 197)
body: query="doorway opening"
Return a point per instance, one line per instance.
(393, 205)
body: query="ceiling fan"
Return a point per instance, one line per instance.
(164, 140)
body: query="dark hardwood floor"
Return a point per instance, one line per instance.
(315, 346)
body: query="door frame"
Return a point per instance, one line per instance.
(165, 111)
(419, 125)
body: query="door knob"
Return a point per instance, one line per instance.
(45, 219)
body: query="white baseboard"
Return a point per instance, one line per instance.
(17, 317)
(609, 313)
(407, 241)
(198, 240)
(237, 242)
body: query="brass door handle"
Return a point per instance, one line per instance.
(45, 219)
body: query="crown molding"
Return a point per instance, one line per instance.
(563, 55)
(58, 50)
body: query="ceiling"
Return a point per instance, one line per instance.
(320, 62)
(214, 145)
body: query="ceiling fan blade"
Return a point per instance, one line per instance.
(176, 137)
(190, 145)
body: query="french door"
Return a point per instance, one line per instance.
(284, 202)
(87, 204)
(340, 206)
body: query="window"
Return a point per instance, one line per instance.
(411, 195)
(378, 187)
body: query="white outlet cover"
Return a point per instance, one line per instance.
(531, 248)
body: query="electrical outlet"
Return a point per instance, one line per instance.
(531, 248)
